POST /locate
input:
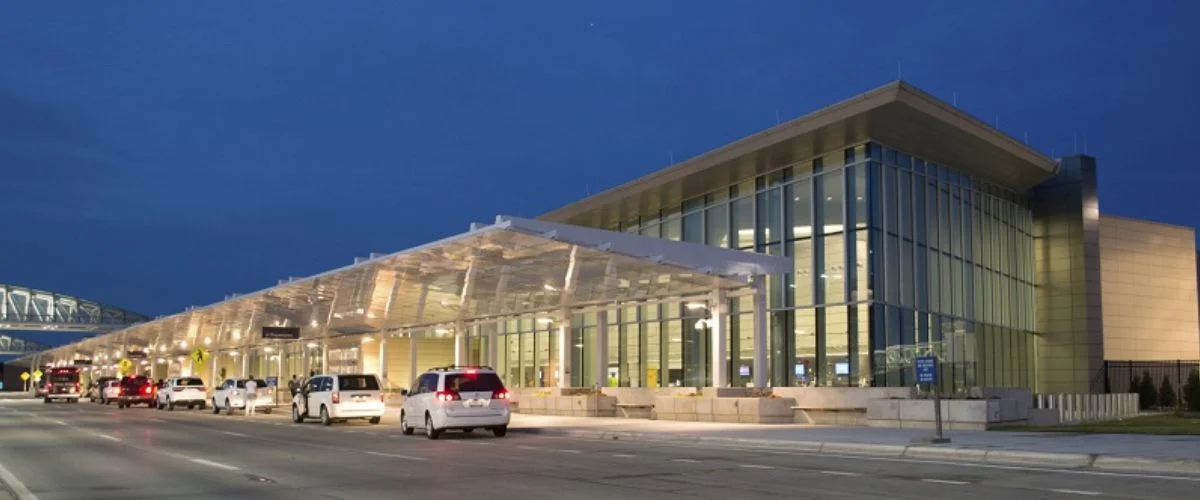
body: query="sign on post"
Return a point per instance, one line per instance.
(37, 375)
(25, 376)
(926, 368)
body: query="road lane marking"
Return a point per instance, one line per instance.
(756, 466)
(110, 438)
(573, 452)
(159, 420)
(1077, 492)
(210, 463)
(231, 433)
(622, 455)
(839, 473)
(943, 481)
(15, 485)
(524, 447)
(393, 455)
(685, 460)
(59, 422)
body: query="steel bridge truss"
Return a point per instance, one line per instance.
(33, 310)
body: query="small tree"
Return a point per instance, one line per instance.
(1191, 391)
(1166, 393)
(1147, 394)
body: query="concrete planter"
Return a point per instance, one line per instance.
(957, 414)
(589, 405)
(732, 410)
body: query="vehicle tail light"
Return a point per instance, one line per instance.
(447, 396)
(76, 387)
(146, 390)
(500, 394)
(337, 397)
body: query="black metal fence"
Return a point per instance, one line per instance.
(1120, 376)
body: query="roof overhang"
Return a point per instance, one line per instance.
(898, 115)
(512, 267)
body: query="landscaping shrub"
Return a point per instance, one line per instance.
(1166, 393)
(1191, 391)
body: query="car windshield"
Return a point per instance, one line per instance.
(474, 382)
(358, 383)
(259, 384)
(189, 382)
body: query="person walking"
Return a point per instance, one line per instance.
(251, 396)
(293, 385)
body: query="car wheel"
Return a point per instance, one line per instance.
(228, 408)
(404, 428)
(216, 409)
(325, 420)
(267, 410)
(500, 431)
(46, 400)
(430, 432)
(374, 420)
(201, 405)
(296, 416)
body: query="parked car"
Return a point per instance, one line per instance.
(95, 390)
(111, 391)
(340, 398)
(460, 398)
(231, 394)
(182, 391)
(136, 390)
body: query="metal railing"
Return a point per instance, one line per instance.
(1076, 408)
(1121, 376)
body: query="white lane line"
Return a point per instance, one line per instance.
(159, 420)
(622, 455)
(393, 455)
(15, 485)
(524, 447)
(943, 481)
(238, 434)
(59, 422)
(839, 473)
(573, 452)
(209, 463)
(110, 438)
(756, 466)
(685, 460)
(1077, 492)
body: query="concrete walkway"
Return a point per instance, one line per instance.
(1168, 454)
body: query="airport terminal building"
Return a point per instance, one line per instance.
(831, 250)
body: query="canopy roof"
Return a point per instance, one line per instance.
(514, 266)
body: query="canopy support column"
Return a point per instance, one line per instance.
(412, 339)
(564, 354)
(600, 357)
(720, 347)
(383, 377)
(760, 331)
(493, 337)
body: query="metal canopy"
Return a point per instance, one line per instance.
(512, 267)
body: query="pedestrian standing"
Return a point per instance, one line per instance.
(251, 396)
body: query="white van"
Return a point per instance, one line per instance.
(339, 397)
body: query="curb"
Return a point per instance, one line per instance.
(1099, 462)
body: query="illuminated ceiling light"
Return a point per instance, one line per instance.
(179, 359)
(269, 349)
(695, 306)
(549, 288)
(234, 353)
(237, 334)
(312, 345)
(367, 338)
(207, 340)
(183, 344)
(359, 310)
(545, 321)
(150, 348)
(314, 323)
(441, 331)
(370, 315)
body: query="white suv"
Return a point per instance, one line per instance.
(456, 397)
(339, 397)
(182, 391)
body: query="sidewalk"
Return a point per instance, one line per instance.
(1124, 452)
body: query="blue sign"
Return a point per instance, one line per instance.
(926, 370)
(272, 381)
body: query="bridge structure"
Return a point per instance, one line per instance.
(12, 346)
(32, 310)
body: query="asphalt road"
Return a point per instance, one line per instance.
(90, 451)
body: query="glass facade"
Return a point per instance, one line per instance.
(894, 257)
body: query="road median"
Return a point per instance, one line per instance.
(939, 453)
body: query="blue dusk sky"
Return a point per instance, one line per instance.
(156, 155)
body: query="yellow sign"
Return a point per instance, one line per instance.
(125, 366)
(200, 355)
(37, 375)
(24, 376)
